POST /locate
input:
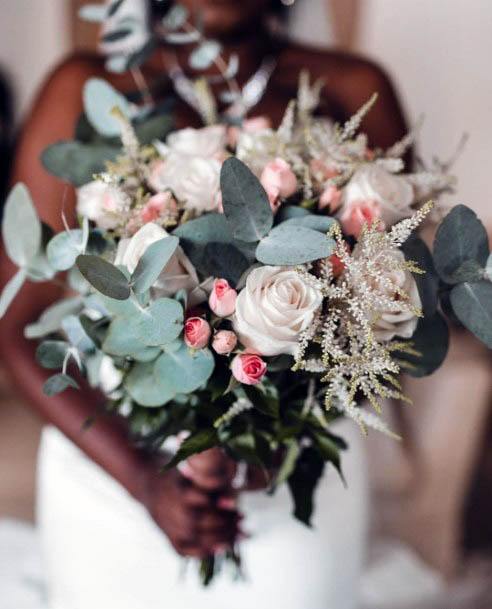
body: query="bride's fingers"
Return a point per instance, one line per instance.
(211, 470)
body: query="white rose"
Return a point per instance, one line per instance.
(273, 309)
(194, 181)
(393, 193)
(178, 274)
(399, 323)
(207, 142)
(102, 203)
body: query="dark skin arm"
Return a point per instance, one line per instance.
(188, 515)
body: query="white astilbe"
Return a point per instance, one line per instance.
(344, 329)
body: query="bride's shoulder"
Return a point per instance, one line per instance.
(339, 69)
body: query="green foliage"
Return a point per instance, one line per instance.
(293, 244)
(288, 463)
(204, 55)
(94, 13)
(77, 162)
(176, 17)
(430, 342)
(264, 398)
(21, 227)
(161, 323)
(59, 383)
(472, 304)
(245, 202)
(461, 246)
(146, 387)
(416, 250)
(185, 370)
(52, 317)
(51, 353)
(11, 289)
(100, 98)
(224, 260)
(104, 276)
(64, 248)
(303, 481)
(152, 263)
(312, 221)
(196, 443)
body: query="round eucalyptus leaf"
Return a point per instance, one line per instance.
(293, 244)
(104, 276)
(94, 13)
(100, 98)
(21, 227)
(52, 317)
(245, 202)
(204, 55)
(77, 162)
(185, 370)
(122, 339)
(121, 308)
(117, 64)
(288, 212)
(114, 7)
(64, 248)
(176, 17)
(51, 353)
(76, 333)
(417, 251)
(461, 246)
(116, 35)
(59, 383)
(472, 304)
(40, 269)
(146, 387)
(159, 324)
(151, 264)
(226, 261)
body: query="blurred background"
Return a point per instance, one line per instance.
(432, 533)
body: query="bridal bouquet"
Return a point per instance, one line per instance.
(240, 286)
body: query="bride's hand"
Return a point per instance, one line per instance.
(190, 516)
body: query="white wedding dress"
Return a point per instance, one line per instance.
(101, 549)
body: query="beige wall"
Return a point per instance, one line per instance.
(33, 36)
(439, 53)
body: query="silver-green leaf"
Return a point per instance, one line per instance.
(151, 264)
(21, 227)
(104, 276)
(292, 244)
(472, 304)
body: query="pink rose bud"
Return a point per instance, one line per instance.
(273, 195)
(358, 213)
(278, 174)
(224, 342)
(197, 332)
(222, 299)
(330, 199)
(157, 206)
(248, 368)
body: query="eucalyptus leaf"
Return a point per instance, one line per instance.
(146, 387)
(182, 37)
(104, 276)
(100, 98)
(293, 244)
(161, 323)
(288, 212)
(114, 7)
(196, 443)
(10, 291)
(59, 383)
(76, 333)
(122, 339)
(77, 162)
(204, 55)
(472, 304)
(417, 251)
(51, 353)
(245, 202)
(431, 341)
(151, 264)
(185, 370)
(176, 17)
(64, 248)
(117, 64)
(315, 222)
(488, 268)
(225, 260)
(461, 246)
(116, 35)
(21, 227)
(52, 317)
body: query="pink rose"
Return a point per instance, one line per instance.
(157, 206)
(222, 299)
(248, 368)
(278, 176)
(357, 213)
(224, 342)
(197, 332)
(250, 125)
(331, 198)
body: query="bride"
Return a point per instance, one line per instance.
(113, 527)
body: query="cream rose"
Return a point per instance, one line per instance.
(103, 204)
(195, 181)
(373, 183)
(401, 323)
(272, 310)
(178, 274)
(207, 142)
